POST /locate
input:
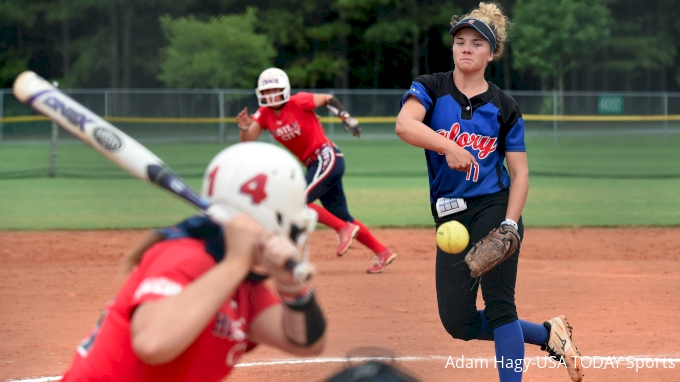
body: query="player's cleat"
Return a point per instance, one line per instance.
(562, 348)
(381, 260)
(345, 235)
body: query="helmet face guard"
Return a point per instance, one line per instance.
(271, 98)
(273, 78)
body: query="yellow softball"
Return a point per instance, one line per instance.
(452, 237)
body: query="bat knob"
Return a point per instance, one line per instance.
(303, 272)
(217, 214)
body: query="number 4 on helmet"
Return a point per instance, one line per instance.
(272, 191)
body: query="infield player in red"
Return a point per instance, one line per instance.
(195, 300)
(469, 128)
(291, 120)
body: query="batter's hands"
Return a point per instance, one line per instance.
(243, 120)
(276, 251)
(459, 159)
(242, 236)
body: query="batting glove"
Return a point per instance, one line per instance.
(351, 123)
(276, 251)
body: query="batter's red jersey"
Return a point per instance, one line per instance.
(106, 353)
(296, 126)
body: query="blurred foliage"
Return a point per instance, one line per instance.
(224, 52)
(550, 48)
(607, 45)
(307, 74)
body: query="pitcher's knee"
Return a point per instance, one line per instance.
(500, 315)
(462, 330)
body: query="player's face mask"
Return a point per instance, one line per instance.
(273, 78)
(276, 98)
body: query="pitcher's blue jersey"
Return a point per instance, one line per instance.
(487, 125)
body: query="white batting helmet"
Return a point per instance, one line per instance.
(272, 78)
(264, 181)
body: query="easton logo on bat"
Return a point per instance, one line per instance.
(107, 138)
(73, 116)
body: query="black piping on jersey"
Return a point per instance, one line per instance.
(500, 184)
(427, 120)
(430, 170)
(439, 84)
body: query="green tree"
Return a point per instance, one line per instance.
(224, 52)
(284, 26)
(553, 37)
(88, 53)
(16, 19)
(334, 61)
(61, 13)
(399, 22)
(335, 41)
(88, 58)
(641, 43)
(384, 33)
(126, 24)
(634, 51)
(311, 39)
(423, 16)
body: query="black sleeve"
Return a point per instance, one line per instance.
(509, 115)
(428, 81)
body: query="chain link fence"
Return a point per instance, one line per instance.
(169, 115)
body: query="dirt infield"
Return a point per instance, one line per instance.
(619, 288)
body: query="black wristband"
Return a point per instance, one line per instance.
(314, 320)
(336, 104)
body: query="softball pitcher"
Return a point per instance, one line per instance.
(469, 128)
(291, 120)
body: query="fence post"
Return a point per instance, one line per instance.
(2, 113)
(221, 108)
(53, 151)
(554, 118)
(107, 111)
(665, 121)
(331, 125)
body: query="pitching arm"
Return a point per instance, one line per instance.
(411, 129)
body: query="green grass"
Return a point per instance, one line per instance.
(639, 157)
(86, 204)
(559, 202)
(597, 181)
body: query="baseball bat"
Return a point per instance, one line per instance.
(120, 148)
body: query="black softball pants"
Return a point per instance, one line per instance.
(457, 291)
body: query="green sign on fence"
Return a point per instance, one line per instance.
(610, 104)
